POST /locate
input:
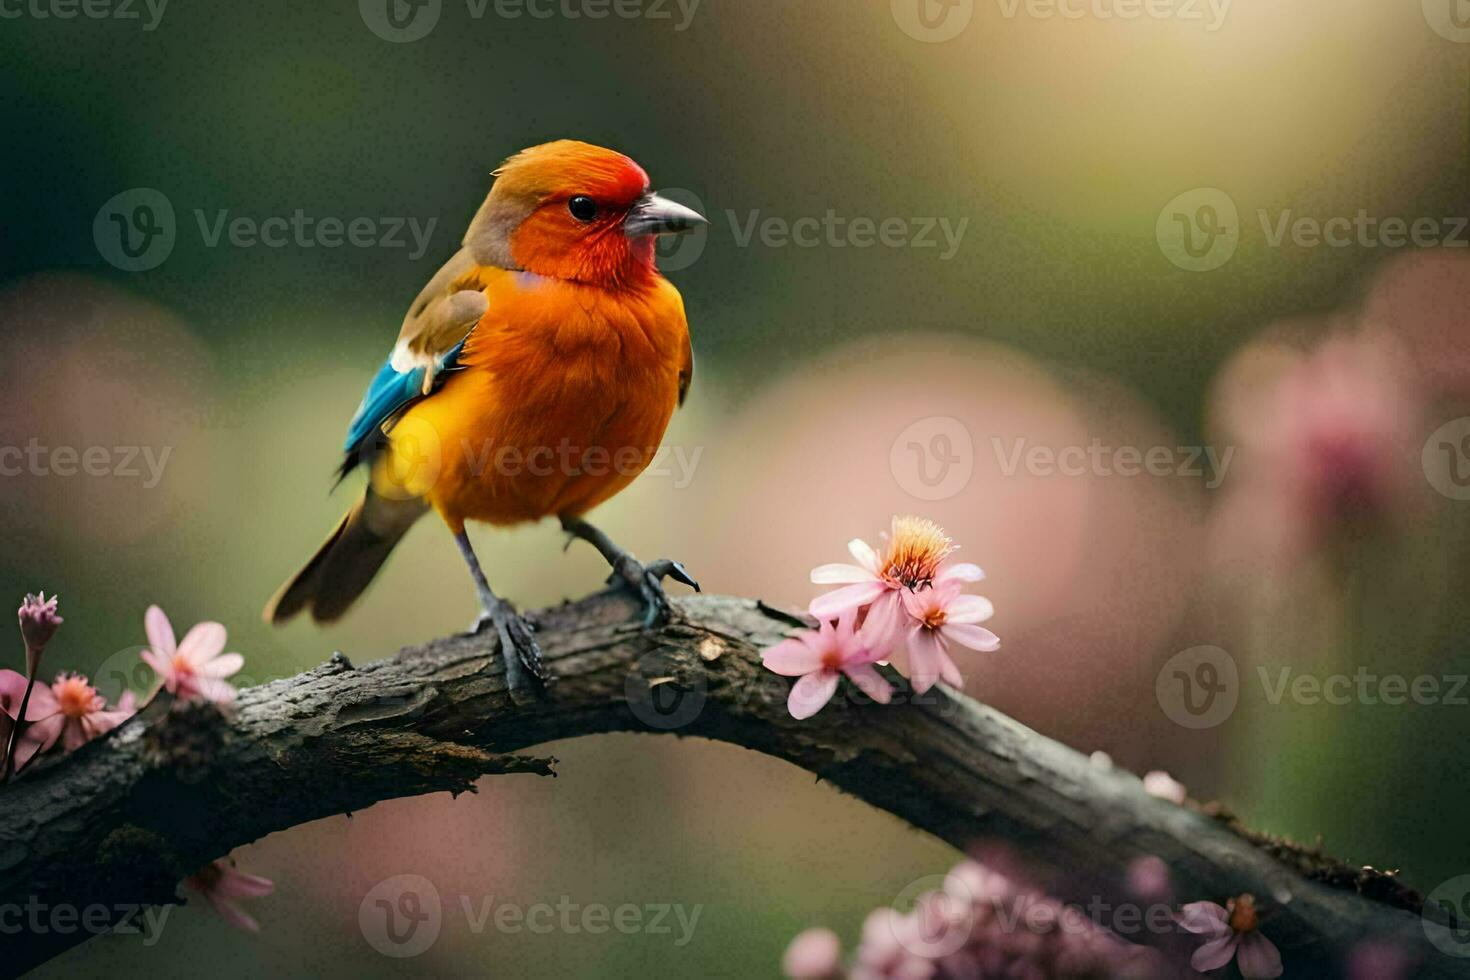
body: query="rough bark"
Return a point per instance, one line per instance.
(124, 819)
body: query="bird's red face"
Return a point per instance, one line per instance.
(574, 211)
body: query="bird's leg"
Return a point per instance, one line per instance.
(524, 672)
(644, 581)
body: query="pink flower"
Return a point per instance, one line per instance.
(1164, 786)
(195, 668)
(1231, 933)
(937, 617)
(915, 558)
(817, 659)
(70, 711)
(220, 884)
(1330, 443)
(38, 624)
(813, 955)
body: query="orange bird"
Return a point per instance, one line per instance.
(533, 376)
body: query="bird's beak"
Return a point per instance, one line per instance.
(654, 215)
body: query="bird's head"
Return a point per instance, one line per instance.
(575, 211)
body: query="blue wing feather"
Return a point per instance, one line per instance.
(389, 394)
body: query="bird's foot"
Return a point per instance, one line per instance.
(646, 583)
(525, 675)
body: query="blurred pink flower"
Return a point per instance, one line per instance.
(1231, 933)
(1375, 959)
(914, 558)
(195, 668)
(1329, 447)
(38, 624)
(12, 692)
(1164, 786)
(980, 923)
(1422, 299)
(1149, 879)
(221, 883)
(817, 659)
(69, 711)
(814, 954)
(937, 617)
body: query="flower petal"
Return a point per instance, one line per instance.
(211, 689)
(160, 632)
(884, 624)
(160, 665)
(974, 637)
(232, 913)
(1215, 953)
(73, 734)
(791, 658)
(959, 572)
(841, 574)
(949, 673)
(12, 689)
(833, 604)
(926, 658)
(1205, 917)
(222, 666)
(1258, 957)
(863, 555)
(968, 609)
(204, 642)
(811, 692)
(870, 682)
(238, 884)
(38, 737)
(43, 703)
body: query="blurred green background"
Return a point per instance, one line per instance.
(1059, 318)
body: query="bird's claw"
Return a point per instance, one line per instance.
(646, 582)
(525, 674)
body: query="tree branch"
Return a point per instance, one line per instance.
(122, 820)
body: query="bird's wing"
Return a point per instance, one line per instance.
(429, 344)
(442, 314)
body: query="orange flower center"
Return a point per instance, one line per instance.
(1243, 916)
(935, 618)
(915, 549)
(181, 665)
(76, 697)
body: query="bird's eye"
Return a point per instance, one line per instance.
(583, 208)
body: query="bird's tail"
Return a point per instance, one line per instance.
(346, 562)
